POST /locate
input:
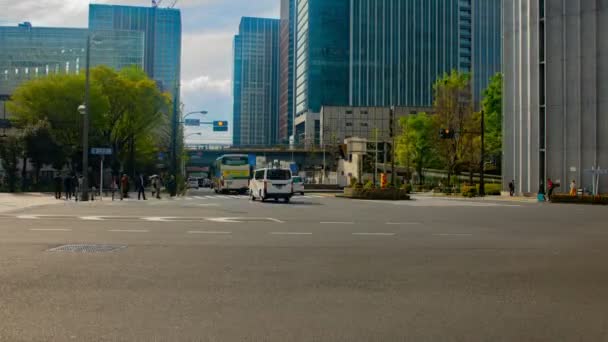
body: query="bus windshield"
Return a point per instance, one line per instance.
(235, 161)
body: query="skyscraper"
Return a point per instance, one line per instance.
(287, 48)
(321, 62)
(398, 49)
(256, 82)
(162, 30)
(555, 81)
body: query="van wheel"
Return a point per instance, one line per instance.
(276, 199)
(287, 199)
(251, 197)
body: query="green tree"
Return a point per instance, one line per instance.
(41, 148)
(415, 145)
(11, 149)
(492, 106)
(453, 110)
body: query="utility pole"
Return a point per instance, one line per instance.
(174, 131)
(85, 126)
(482, 188)
(392, 135)
(376, 158)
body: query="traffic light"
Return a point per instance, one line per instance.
(220, 126)
(446, 133)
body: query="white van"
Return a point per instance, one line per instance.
(271, 183)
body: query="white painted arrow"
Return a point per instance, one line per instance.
(92, 218)
(158, 219)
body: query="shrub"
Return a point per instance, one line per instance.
(353, 182)
(585, 199)
(469, 191)
(407, 188)
(369, 185)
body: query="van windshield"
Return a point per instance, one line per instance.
(278, 174)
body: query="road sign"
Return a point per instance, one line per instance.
(4, 123)
(192, 122)
(101, 151)
(220, 126)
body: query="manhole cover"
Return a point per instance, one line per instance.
(87, 248)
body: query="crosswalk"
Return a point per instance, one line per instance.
(241, 197)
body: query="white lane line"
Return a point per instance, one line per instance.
(313, 196)
(158, 219)
(210, 197)
(402, 223)
(189, 198)
(129, 231)
(92, 218)
(50, 230)
(28, 217)
(274, 220)
(208, 232)
(237, 197)
(453, 234)
(374, 234)
(337, 222)
(290, 233)
(199, 197)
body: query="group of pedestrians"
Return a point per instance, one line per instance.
(67, 186)
(123, 184)
(551, 186)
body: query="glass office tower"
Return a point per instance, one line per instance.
(399, 48)
(162, 30)
(287, 48)
(30, 52)
(256, 81)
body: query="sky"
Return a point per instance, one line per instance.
(208, 30)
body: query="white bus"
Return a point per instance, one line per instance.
(232, 173)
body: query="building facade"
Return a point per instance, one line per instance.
(256, 82)
(287, 48)
(162, 29)
(31, 52)
(398, 49)
(554, 103)
(321, 62)
(339, 123)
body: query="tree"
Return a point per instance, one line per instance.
(453, 110)
(41, 148)
(11, 149)
(415, 144)
(492, 106)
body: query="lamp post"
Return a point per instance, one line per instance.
(84, 110)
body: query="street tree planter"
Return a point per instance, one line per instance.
(388, 194)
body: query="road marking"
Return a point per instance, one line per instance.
(28, 217)
(92, 218)
(159, 219)
(237, 197)
(207, 232)
(129, 231)
(337, 222)
(453, 234)
(199, 197)
(207, 205)
(374, 234)
(210, 197)
(274, 220)
(51, 230)
(290, 233)
(402, 223)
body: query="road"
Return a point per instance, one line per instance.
(222, 268)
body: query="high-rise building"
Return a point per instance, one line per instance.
(287, 49)
(256, 82)
(398, 49)
(321, 62)
(555, 81)
(30, 52)
(162, 30)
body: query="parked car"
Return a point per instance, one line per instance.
(272, 183)
(192, 183)
(298, 185)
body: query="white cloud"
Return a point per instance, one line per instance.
(206, 83)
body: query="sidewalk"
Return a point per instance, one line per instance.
(12, 202)
(520, 199)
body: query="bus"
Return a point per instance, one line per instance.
(232, 173)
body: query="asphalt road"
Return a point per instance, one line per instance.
(222, 268)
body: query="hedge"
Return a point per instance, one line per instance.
(391, 194)
(585, 199)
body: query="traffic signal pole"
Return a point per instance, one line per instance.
(482, 188)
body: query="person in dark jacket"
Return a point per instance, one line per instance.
(67, 187)
(141, 187)
(57, 183)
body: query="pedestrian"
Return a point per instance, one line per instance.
(67, 187)
(124, 186)
(80, 186)
(113, 187)
(57, 183)
(573, 188)
(74, 185)
(512, 188)
(172, 185)
(541, 192)
(550, 187)
(141, 187)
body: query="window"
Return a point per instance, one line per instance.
(259, 175)
(349, 112)
(278, 174)
(364, 124)
(349, 124)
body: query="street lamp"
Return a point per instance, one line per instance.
(201, 112)
(84, 110)
(189, 135)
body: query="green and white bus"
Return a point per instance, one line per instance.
(232, 173)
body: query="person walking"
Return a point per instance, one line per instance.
(57, 182)
(512, 188)
(573, 188)
(141, 187)
(113, 187)
(550, 187)
(124, 186)
(172, 185)
(67, 187)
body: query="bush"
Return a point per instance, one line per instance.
(469, 191)
(353, 182)
(492, 189)
(369, 185)
(407, 187)
(585, 199)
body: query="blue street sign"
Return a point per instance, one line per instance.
(192, 122)
(4, 123)
(220, 126)
(101, 151)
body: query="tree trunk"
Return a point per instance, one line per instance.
(24, 175)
